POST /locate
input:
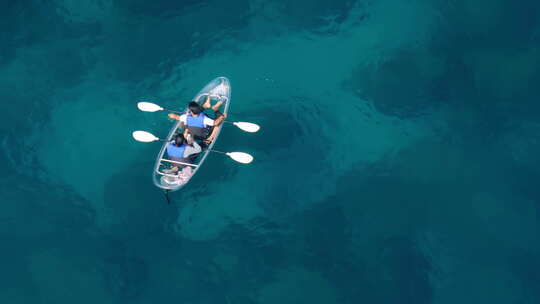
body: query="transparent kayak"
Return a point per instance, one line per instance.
(218, 89)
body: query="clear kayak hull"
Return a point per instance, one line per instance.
(219, 88)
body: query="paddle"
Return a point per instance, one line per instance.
(144, 136)
(245, 126)
(152, 107)
(240, 157)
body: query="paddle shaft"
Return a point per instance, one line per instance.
(173, 111)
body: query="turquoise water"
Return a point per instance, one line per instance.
(397, 160)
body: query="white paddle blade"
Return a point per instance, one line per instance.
(148, 106)
(247, 126)
(144, 136)
(241, 157)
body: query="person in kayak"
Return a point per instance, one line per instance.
(181, 150)
(198, 124)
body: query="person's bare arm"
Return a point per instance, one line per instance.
(174, 116)
(177, 117)
(219, 120)
(217, 126)
(210, 138)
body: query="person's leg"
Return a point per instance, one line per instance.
(207, 103)
(217, 105)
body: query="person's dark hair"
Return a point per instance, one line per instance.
(179, 139)
(194, 107)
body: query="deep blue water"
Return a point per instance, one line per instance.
(397, 160)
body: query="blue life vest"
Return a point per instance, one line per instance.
(175, 152)
(196, 126)
(197, 122)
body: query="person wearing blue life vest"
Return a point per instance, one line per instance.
(181, 150)
(198, 124)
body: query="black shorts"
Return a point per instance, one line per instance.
(208, 130)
